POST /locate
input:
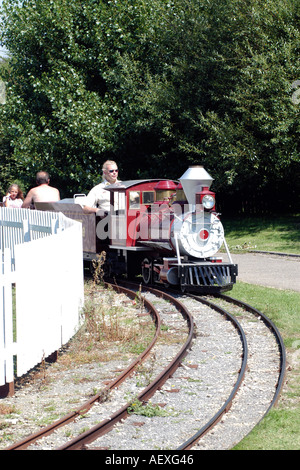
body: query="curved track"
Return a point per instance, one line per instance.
(87, 439)
(148, 392)
(227, 404)
(276, 334)
(216, 418)
(106, 425)
(101, 429)
(25, 443)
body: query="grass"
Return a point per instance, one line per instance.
(280, 429)
(277, 233)
(281, 306)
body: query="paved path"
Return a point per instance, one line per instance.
(281, 272)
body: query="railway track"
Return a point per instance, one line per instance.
(101, 396)
(196, 379)
(262, 381)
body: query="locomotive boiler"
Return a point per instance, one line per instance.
(166, 231)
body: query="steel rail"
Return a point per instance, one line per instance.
(189, 443)
(107, 424)
(278, 338)
(27, 441)
(208, 426)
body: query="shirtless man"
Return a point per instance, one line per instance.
(41, 193)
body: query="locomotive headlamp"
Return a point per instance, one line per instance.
(208, 201)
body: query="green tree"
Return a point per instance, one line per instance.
(60, 113)
(152, 83)
(221, 89)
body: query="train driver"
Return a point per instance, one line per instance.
(98, 199)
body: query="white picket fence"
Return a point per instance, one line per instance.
(41, 287)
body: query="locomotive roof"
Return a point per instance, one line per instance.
(129, 183)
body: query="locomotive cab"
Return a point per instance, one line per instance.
(131, 202)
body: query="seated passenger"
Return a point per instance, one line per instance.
(98, 199)
(14, 197)
(41, 193)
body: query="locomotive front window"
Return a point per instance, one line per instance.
(134, 199)
(164, 195)
(180, 196)
(148, 197)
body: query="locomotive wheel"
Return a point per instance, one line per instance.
(147, 266)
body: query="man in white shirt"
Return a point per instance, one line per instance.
(98, 197)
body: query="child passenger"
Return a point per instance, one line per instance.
(14, 197)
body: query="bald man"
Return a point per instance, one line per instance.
(43, 192)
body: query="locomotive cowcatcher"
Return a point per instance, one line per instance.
(165, 230)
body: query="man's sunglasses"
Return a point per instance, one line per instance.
(111, 171)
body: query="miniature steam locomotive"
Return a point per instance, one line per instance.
(165, 230)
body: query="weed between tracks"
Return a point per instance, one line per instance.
(113, 324)
(149, 409)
